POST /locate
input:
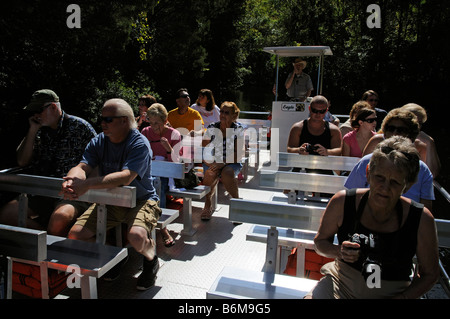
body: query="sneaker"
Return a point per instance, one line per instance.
(147, 278)
(114, 272)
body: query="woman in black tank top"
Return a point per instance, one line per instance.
(379, 232)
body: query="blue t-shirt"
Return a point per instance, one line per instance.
(134, 154)
(422, 189)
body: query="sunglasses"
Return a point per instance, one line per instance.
(109, 119)
(370, 120)
(319, 111)
(184, 96)
(372, 100)
(42, 108)
(399, 129)
(225, 112)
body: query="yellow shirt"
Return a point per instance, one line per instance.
(186, 120)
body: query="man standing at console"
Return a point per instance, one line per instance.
(298, 84)
(123, 158)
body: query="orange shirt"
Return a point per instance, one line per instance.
(186, 120)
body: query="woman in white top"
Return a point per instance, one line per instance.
(207, 107)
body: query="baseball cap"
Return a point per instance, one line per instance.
(39, 98)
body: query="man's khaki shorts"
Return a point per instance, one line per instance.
(145, 214)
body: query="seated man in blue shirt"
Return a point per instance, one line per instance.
(123, 158)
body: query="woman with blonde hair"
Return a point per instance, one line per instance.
(225, 163)
(162, 140)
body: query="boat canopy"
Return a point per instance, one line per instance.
(299, 51)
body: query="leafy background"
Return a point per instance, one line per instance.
(125, 49)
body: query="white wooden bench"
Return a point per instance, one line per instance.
(266, 284)
(34, 247)
(239, 283)
(50, 187)
(307, 182)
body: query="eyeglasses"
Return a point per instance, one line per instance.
(42, 108)
(316, 111)
(109, 119)
(399, 129)
(374, 119)
(184, 96)
(225, 112)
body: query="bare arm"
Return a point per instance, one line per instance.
(336, 141)
(77, 182)
(289, 81)
(24, 151)
(329, 225)
(293, 144)
(373, 142)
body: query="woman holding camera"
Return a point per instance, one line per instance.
(379, 233)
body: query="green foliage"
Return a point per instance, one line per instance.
(125, 49)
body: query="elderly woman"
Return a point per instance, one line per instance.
(226, 140)
(399, 122)
(162, 139)
(379, 232)
(363, 123)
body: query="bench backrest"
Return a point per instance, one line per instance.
(335, 163)
(306, 182)
(23, 243)
(275, 214)
(168, 169)
(255, 123)
(50, 187)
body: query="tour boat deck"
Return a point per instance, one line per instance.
(190, 267)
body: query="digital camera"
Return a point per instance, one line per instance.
(368, 254)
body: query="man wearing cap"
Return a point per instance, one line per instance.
(298, 84)
(54, 144)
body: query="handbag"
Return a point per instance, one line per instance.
(189, 181)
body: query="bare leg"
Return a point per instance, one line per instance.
(210, 179)
(9, 215)
(62, 219)
(230, 182)
(141, 242)
(81, 233)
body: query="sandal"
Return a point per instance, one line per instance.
(168, 241)
(206, 214)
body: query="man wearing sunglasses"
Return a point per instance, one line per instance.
(314, 135)
(403, 123)
(54, 143)
(123, 157)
